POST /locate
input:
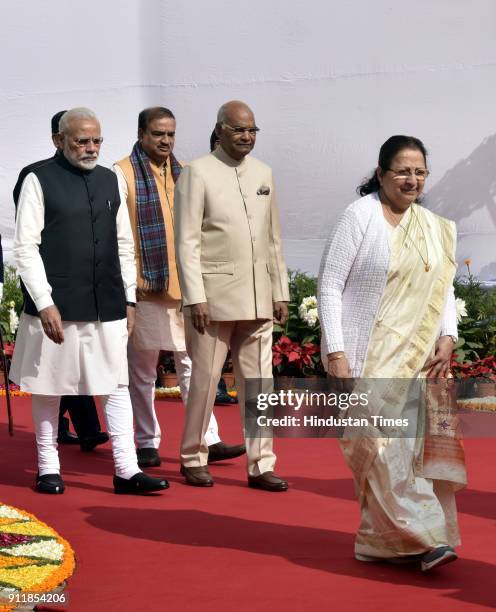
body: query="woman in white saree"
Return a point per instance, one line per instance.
(387, 311)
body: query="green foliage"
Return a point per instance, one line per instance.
(477, 330)
(12, 298)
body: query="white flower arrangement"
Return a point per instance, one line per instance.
(461, 309)
(307, 311)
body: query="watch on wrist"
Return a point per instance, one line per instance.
(453, 338)
(132, 304)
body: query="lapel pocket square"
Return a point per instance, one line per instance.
(263, 190)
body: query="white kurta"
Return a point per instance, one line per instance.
(159, 327)
(92, 360)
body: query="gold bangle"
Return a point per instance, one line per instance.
(336, 357)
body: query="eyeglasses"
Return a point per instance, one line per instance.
(237, 129)
(84, 142)
(403, 173)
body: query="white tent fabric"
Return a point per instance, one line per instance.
(329, 81)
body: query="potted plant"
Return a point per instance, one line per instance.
(480, 375)
(10, 309)
(296, 347)
(295, 359)
(166, 370)
(476, 318)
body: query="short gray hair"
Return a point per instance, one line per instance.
(75, 113)
(221, 114)
(226, 107)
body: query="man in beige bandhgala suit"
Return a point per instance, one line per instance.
(233, 283)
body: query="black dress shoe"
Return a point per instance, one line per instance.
(221, 451)
(64, 435)
(50, 483)
(139, 484)
(89, 443)
(67, 437)
(148, 457)
(267, 481)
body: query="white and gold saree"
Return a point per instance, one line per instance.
(406, 486)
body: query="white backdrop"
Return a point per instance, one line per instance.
(329, 81)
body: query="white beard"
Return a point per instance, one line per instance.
(84, 164)
(87, 164)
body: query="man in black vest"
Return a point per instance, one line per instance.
(82, 409)
(73, 249)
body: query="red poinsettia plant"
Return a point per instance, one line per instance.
(481, 368)
(291, 358)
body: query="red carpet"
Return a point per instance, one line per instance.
(231, 547)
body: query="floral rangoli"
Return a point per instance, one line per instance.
(33, 556)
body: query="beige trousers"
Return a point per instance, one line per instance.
(251, 350)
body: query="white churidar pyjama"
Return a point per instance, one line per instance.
(118, 418)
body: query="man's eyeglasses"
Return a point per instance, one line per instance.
(84, 142)
(237, 129)
(403, 173)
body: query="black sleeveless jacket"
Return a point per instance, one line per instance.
(79, 242)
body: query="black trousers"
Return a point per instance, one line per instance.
(84, 417)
